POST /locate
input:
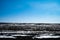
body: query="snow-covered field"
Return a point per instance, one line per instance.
(21, 34)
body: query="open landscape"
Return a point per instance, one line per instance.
(29, 19)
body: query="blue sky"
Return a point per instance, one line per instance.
(30, 11)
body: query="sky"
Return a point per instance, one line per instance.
(30, 11)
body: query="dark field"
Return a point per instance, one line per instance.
(29, 31)
(29, 39)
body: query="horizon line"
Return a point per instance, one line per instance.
(31, 22)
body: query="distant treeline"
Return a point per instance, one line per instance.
(30, 26)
